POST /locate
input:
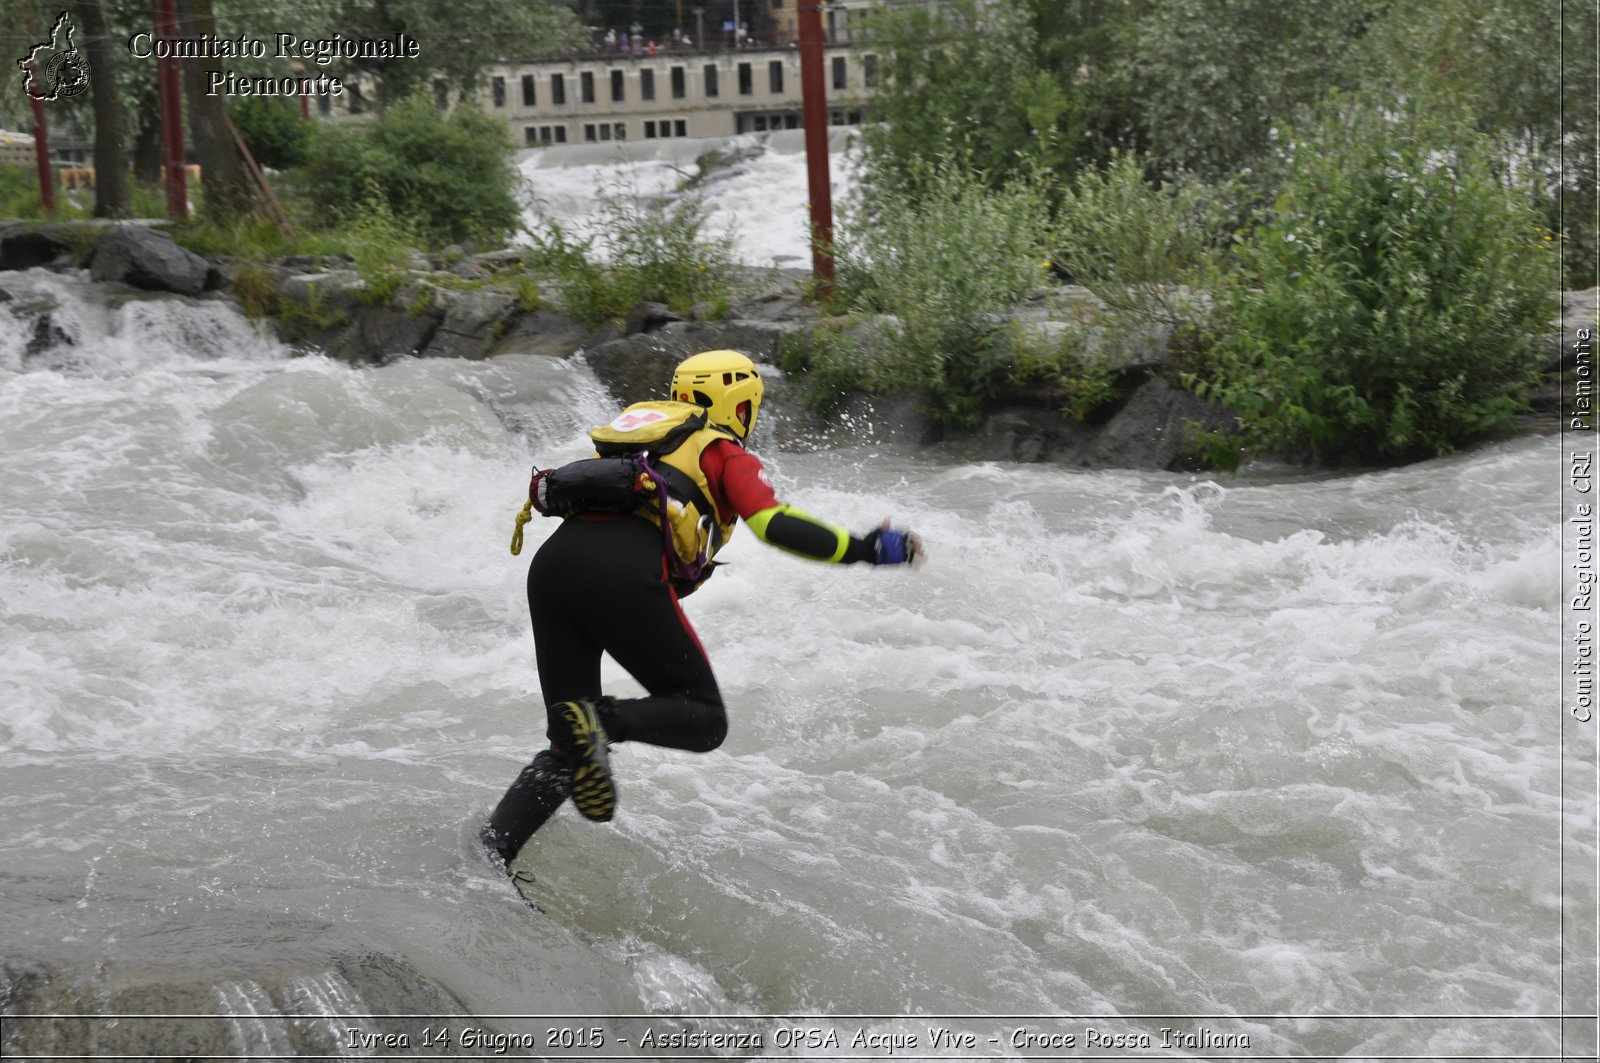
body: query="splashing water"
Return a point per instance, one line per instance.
(1130, 744)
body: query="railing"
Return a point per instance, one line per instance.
(719, 41)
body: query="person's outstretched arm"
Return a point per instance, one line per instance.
(746, 487)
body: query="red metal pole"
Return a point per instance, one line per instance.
(814, 114)
(166, 27)
(41, 138)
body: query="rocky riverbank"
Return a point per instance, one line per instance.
(484, 306)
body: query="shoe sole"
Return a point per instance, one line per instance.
(593, 792)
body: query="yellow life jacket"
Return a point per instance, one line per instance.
(672, 436)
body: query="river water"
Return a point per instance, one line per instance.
(1270, 761)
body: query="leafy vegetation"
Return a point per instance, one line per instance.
(1354, 277)
(1383, 307)
(448, 177)
(943, 264)
(1357, 280)
(273, 130)
(638, 251)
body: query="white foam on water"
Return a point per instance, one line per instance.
(759, 204)
(1127, 743)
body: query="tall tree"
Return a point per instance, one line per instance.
(222, 172)
(111, 192)
(1215, 78)
(1497, 61)
(959, 79)
(454, 46)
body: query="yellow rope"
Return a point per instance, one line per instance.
(522, 518)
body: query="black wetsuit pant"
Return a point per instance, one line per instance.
(600, 586)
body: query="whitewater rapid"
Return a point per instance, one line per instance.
(755, 198)
(1273, 757)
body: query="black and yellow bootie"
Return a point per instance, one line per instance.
(587, 747)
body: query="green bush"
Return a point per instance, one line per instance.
(446, 178)
(1384, 304)
(278, 138)
(19, 196)
(1131, 242)
(946, 265)
(381, 249)
(637, 252)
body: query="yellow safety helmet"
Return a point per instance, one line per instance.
(726, 383)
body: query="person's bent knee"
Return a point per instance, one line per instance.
(714, 731)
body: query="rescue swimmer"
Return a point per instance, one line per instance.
(641, 524)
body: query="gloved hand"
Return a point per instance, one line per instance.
(893, 546)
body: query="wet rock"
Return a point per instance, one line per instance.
(1028, 435)
(316, 308)
(1153, 430)
(27, 247)
(547, 332)
(638, 367)
(147, 258)
(647, 317)
(471, 323)
(300, 988)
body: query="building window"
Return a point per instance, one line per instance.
(775, 76)
(711, 80)
(499, 88)
(869, 71)
(589, 133)
(357, 104)
(647, 84)
(441, 94)
(746, 80)
(561, 134)
(530, 96)
(620, 129)
(650, 129)
(617, 93)
(678, 88)
(530, 135)
(680, 128)
(839, 77)
(586, 86)
(558, 89)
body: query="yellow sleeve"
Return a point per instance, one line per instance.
(799, 532)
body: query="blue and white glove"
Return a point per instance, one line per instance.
(893, 546)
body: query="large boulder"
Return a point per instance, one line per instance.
(638, 367)
(147, 258)
(1152, 430)
(24, 246)
(471, 323)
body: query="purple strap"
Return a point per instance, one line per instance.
(677, 566)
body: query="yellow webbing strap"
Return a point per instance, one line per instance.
(522, 518)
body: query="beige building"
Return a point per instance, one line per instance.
(672, 93)
(16, 149)
(837, 17)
